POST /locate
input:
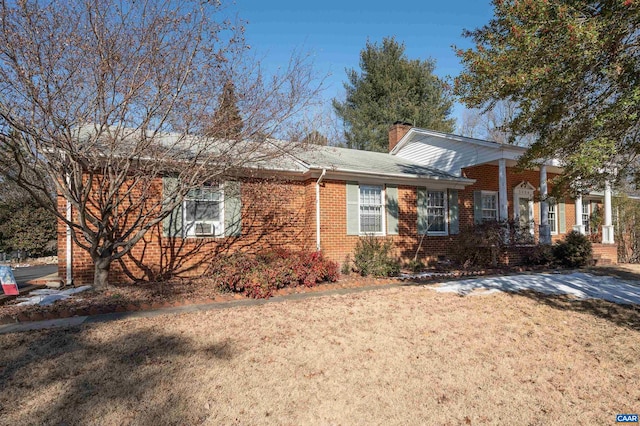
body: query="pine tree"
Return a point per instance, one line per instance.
(391, 87)
(227, 121)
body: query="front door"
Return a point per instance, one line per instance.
(523, 206)
(524, 215)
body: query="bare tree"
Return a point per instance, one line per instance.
(105, 97)
(492, 124)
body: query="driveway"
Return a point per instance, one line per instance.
(32, 272)
(581, 285)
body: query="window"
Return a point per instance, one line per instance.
(371, 209)
(489, 206)
(553, 216)
(586, 215)
(436, 212)
(203, 212)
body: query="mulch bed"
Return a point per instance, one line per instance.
(180, 292)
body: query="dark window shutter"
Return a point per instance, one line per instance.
(392, 209)
(172, 224)
(454, 221)
(353, 209)
(562, 221)
(423, 225)
(232, 209)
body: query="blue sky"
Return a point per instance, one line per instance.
(335, 32)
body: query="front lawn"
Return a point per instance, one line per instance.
(403, 355)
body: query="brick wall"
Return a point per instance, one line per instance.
(283, 214)
(486, 177)
(336, 244)
(274, 214)
(605, 254)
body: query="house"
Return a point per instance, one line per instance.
(501, 192)
(323, 198)
(420, 196)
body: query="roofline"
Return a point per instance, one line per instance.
(409, 179)
(451, 136)
(514, 149)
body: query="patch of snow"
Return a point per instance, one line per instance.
(44, 296)
(578, 284)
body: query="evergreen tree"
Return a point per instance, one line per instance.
(573, 69)
(227, 121)
(24, 225)
(391, 87)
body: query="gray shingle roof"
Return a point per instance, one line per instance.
(353, 160)
(274, 155)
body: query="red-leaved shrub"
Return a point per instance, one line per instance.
(258, 276)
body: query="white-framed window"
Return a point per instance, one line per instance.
(586, 215)
(437, 212)
(489, 206)
(371, 209)
(552, 209)
(204, 212)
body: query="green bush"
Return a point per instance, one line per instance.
(415, 265)
(574, 251)
(373, 256)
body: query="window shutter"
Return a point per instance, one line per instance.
(454, 222)
(172, 224)
(392, 209)
(477, 206)
(562, 222)
(353, 210)
(423, 225)
(232, 209)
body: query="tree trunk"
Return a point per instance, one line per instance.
(101, 273)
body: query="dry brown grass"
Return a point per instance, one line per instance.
(395, 356)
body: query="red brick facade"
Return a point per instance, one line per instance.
(284, 215)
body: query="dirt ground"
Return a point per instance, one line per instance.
(401, 356)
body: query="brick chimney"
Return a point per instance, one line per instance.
(397, 132)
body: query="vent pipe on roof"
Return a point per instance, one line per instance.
(397, 132)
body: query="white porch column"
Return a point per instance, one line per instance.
(502, 189)
(545, 230)
(607, 228)
(579, 226)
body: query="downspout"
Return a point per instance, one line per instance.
(69, 267)
(324, 171)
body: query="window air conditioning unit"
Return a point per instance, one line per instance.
(203, 229)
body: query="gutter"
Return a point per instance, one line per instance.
(395, 178)
(324, 172)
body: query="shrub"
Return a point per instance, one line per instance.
(373, 256)
(346, 265)
(258, 276)
(575, 250)
(538, 255)
(415, 265)
(476, 243)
